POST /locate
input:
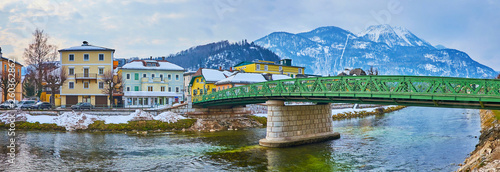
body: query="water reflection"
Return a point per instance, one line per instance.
(422, 139)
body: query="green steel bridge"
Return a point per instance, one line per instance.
(388, 90)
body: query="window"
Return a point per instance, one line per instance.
(169, 89)
(161, 77)
(5, 68)
(201, 91)
(197, 80)
(144, 75)
(71, 85)
(134, 101)
(195, 92)
(300, 71)
(140, 101)
(71, 71)
(146, 101)
(136, 88)
(169, 77)
(213, 89)
(162, 89)
(85, 57)
(150, 88)
(257, 67)
(176, 77)
(101, 57)
(128, 75)
(71, 57)
(136, 76)
(177, 89)
(86, 85)
(101, 71)
(152, 76)
(281, 68)
(128, 88)
(265, 67)
(101, 85)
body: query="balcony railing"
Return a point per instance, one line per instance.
(85, 76)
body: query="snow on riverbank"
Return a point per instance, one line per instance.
(338, 111)
(80, 120)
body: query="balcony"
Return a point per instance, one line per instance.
(85, 76)
(152, 80)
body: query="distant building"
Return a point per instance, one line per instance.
(239, 79)
(283, 67)
(86, 64)
(187, 78)
(151, 82)
(4, 70)
(203, 81)
(353, 72)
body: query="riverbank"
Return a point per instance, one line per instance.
(486, 156)
(340, 114)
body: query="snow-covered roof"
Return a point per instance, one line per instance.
(280, 77)
(163, 65)
(243, 78)
(87, 47)
(151, 94)
(212, 75)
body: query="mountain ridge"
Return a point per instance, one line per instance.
(399, 52)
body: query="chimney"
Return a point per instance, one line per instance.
(163, 58)
(0, 52)
(220, 67)
(85, 43)
(230, 69)
(150, 57)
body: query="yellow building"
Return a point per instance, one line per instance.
(86, 65)
(283, 67)
(203, 81)
(5, 70)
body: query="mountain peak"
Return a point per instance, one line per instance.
(393, 36)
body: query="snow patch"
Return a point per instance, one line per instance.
(75, 120)
(168, 117)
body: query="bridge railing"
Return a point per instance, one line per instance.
(416, 87)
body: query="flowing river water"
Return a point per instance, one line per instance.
(412, 139)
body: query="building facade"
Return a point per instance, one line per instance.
(85, 65)
(150, 83)
(203, 81)
(11, 67)
(283, 67)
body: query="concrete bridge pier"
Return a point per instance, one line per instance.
(296, 125)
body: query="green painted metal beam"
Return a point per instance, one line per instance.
(403, 90)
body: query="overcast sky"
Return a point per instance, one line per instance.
(146, 28)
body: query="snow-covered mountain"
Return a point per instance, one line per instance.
(221, 54)
(391, 50)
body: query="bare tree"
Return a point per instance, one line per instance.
(54, 78)
(112, 84)
(8, 84)
(38, 52)
(372, 71)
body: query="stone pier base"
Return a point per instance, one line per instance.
(296, 125)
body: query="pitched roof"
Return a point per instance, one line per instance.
(87, 47)
(162, 65)
(243, 78)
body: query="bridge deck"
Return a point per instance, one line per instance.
(395, 90)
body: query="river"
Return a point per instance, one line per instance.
(413, 139)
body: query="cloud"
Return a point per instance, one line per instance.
(162, 27)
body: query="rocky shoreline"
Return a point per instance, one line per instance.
(486, 156)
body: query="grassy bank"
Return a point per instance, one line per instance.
(262, 120)
(359, 114)
(101, 126)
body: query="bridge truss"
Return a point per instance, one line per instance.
(390, 90)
